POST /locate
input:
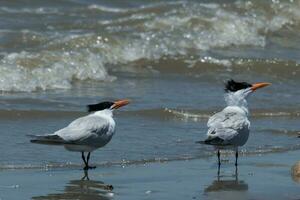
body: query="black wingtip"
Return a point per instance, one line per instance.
(200, 142)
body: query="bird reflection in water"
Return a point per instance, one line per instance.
(83, 189)
(227, 184)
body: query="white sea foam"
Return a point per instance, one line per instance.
(40, 10)
(196, 26)
(135, 9)
(27, 72)
(148, 32)
(188, 115)
(106, 8)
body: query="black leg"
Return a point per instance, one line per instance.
(236, 157)
(219, 159)
(236, 173)
(88, 158)
(86, 167)
(86, 161)
(83, 158)
(86, 175)
(219, 162)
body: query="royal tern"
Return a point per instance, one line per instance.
(230, 127)
(88, 133)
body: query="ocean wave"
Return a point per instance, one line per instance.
(207, 66)
(188, 115)
(159, 113)
(49, 70)
(28, 10)
(147, 36)
(188, 29)
(38, 114)
(206, 26)
(204, 115)
(291, 133)
(29, 71)
(107, 9)
(139, 9)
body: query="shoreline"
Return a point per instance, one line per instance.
(259, 177)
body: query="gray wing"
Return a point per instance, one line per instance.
(226, 118)
(49, 139)
(84, 128)
(224, 126)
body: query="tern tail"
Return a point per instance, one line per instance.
(47, 139)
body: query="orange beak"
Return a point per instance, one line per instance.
(256, 86)
(120, 103)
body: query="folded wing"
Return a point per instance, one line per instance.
(80, 131)
(84, 129)
(225, 127)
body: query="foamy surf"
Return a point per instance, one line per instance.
(56, 55)
(197, 115)
(49, 70)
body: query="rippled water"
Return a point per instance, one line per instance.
(170, 58)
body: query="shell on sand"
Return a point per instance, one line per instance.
(295, 172)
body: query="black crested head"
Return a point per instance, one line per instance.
(100, 106)
(232, 86)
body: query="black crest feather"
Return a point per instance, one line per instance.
(232, 86)
(99, 106)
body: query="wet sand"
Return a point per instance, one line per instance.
(258, 177)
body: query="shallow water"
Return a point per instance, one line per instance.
(258, 177)
(171, 58)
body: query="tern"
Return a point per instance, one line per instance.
(229, 129)
(87, 133)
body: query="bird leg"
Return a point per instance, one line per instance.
(236, 157)
(219, 159)
(219, 162)
(87, 163)
(236, 173)
(83, 158)
(86, 176)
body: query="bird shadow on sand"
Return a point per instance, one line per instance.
(227, 183)
(82, 189)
